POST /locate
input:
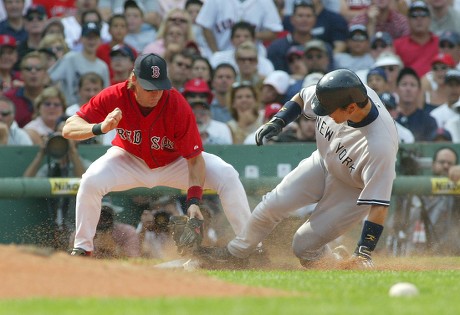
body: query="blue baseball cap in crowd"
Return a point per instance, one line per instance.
(377, 71)
(35, 9)
(90, 28)
(450, 37)
(122, 50)
(358, 32)
(418, 8)
(151, 72)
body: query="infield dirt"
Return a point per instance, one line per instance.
(29, 272)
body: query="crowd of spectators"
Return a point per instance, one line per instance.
(406, 48)
(235, 61)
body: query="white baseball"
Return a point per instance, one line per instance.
(403, 289)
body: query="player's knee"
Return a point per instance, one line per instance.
(307, 247)
(90, 183)
(229, 172)
(267, 211)
(226, 176)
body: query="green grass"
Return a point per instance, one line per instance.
(314, 292)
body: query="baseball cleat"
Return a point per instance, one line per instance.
(260, 257)
(79, 252)
(220, 258)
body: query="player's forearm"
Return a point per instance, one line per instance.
(197, 171)
(76, 128)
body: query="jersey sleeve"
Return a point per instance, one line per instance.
(307, 95)
(98, 107)
(378, 177)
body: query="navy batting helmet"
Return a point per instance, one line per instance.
(337, 89)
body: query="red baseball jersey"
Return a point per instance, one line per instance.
(168, 132)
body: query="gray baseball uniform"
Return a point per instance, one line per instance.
(352, 169)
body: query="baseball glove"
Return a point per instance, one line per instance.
(187, 233)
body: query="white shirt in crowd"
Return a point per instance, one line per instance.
(72, 33)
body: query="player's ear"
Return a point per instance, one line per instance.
(351, 108)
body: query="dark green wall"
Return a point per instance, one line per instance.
(25, 220)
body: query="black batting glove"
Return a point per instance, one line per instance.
(363, 257)
(269, 130)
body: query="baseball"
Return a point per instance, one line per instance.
(403, 289)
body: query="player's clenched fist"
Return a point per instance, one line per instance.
(112, 120)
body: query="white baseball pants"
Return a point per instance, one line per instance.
(118, 170)
(309, 183)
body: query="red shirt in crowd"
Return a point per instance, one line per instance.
(415, 55)
(59, 8)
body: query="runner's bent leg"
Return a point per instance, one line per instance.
(302, 186)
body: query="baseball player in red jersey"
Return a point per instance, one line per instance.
(349, 176)
(157, 144)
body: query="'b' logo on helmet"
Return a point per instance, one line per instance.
(155, 72)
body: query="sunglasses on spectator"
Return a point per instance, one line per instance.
(446, 45)
(359, 38)
(178, 20)
(49, 104)
(379, 45)
(314, 56)
(182, 65)
(439, 67)
(238, 84)
(30, 68)
(416, 14)
(247, 59)
(5, 113)
(30, 18)
(389, 68)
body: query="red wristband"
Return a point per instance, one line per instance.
(195, 192)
